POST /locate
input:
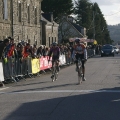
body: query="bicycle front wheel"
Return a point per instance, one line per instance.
(53, 74)
(79, 75)
(56, 74)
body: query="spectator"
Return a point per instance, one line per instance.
(26, 51)
(35, 50)
(47, 51)
(19, 50)
(2, 46)
(11, 49)
(44, 51)
(39, 51)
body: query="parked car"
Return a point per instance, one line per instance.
(107, 50)
(116, 50)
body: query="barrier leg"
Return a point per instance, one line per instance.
(43, 71)
(2, 84)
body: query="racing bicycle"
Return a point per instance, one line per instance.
(79, 69)
(55, 71)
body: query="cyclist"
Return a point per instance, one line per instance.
(55, 53)
(80, 52)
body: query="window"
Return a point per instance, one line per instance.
(28, 11)
(19, 12)
(52, 39)
(5, 14)
(55, 39)
(29, 41)
(35, 42)
(49, 41)
(35, 15)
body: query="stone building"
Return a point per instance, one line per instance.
(5, 19)
(21, 20)
(49, 29)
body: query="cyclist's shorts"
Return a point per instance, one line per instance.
(81, 56)
(54, 58)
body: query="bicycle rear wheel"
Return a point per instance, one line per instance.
(56, 74)
(53, 74)
(79, 75)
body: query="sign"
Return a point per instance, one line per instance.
(81, 39)
(35, 66)
(95, 42)
(1, 72)
(62, 59)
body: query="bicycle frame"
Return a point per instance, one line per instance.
(54, 71)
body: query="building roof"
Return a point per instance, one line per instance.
(48, 17)
(77, 26)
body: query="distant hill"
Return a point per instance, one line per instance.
(114, 32)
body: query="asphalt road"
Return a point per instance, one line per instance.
(97, 98)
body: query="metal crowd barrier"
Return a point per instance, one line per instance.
(14, 69)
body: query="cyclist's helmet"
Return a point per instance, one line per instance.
(54, 43)
(77, 40)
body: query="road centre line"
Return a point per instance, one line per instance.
(63, 91)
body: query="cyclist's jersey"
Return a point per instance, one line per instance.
(82, 49)
(55, 52)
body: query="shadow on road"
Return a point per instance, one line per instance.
(89, 106)
(47, 87)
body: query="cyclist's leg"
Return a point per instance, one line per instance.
(52, 67)
(57, 63)
(83, 70)
(76, 61)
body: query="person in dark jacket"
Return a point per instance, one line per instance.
(3, 46)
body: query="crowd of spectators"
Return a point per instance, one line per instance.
(23, 50)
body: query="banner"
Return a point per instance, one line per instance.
(1, 72)
(35, 66)
(62, 59)
(81, 39)
(44, 64)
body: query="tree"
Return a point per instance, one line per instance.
(83, 13)
(58, 7)
(90, 16)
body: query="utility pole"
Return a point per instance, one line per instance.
(93, 25)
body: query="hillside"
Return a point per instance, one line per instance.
(114, 32)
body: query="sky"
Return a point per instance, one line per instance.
(110, 10)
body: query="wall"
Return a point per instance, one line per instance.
(27, 27)
(20, 30)
(5, 22)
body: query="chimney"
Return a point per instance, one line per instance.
(48, 16)
(70, 19)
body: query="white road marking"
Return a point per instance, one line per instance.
(116, 100)
(63, 91)
(4, 88)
